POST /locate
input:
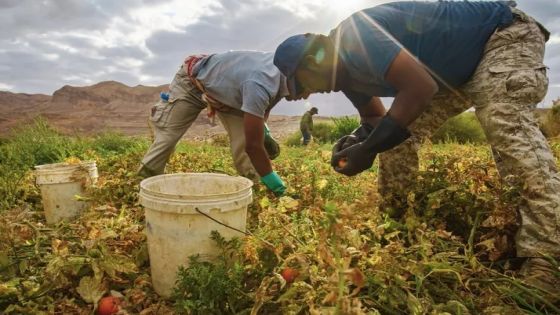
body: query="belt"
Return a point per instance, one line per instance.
(212, 104)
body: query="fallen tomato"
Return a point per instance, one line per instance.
(108, 305)
(289, 274)
(342, 163)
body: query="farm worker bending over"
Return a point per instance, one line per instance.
(240, 87)
(306, 124)
(437, 59)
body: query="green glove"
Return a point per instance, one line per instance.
(273, 182)
(270, 145)
(266, 130)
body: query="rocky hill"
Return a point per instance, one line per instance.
(111, 105)
(105, 106)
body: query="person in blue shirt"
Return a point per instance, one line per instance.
(438, 59)
(240, 88)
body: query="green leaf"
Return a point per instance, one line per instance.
(6, 265)
(414, 305)
(9, 288)
(23, 266)
(264, 202)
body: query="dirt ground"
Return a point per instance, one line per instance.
(280, 126)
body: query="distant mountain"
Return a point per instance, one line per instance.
(106, 105)
(111, 105)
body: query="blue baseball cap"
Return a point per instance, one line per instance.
(289, 54)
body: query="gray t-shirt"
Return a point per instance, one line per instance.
(246, 80)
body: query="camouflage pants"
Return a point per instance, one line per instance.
(172, 120)
(504, 90)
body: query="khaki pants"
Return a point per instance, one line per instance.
(171, 120)
(504, 90)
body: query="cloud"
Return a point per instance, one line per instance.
(47, 44)
(545, 11)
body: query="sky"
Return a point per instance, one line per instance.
(46, 44)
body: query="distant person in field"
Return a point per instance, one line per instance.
(306, 124)
(240, 87)
(438, 59)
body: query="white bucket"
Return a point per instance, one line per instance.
(59, 184)
(174, 227)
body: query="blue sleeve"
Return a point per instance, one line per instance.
(367, 48)
(255, 98)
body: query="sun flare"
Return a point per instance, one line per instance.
(344, 8)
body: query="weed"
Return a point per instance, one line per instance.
(212, 287)
(463, 128)
(343, 126)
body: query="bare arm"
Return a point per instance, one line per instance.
(372, 112)
(415, 88)
(254, 143)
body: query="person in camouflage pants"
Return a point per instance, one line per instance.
(504, 90)
(404, 49)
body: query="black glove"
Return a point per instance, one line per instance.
(358, 135)
(359, 157)
(353, 160)
(271, 146)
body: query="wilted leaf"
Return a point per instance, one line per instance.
(90, 289)
(55, 266)
(488, 244)
(60, 247)
(414, 305)
(288, 202)
(113, 264)
(330, 298)
(107, 233)
(456, 307)
(356, 276)
(289, 294)
(262, 295)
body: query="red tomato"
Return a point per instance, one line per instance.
(108, 305)
(342, 163)
(289, 274)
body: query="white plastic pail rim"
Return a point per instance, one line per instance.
(152, 196)
(64, 172)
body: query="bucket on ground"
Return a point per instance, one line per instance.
(60, 183)
(175, 227)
